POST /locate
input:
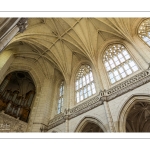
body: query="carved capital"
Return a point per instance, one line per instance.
(66, 114)
(22, 24)
(104, 98)
(66, 117)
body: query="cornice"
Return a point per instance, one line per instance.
(128, 85)
(58, 119)
(106, 95)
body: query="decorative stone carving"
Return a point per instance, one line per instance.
(22, 24)
(106, 95)
(58, 119)
(66, 114)
(129, 84)
(84, 107)
(10, 124)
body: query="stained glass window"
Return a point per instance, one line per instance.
(60, 99)
(118, 63)
(144, 31)
(84, 86)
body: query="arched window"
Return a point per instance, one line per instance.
(60, 99)
(118, 62)
(144, 31)
(85, 86)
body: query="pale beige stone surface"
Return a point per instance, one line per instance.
(52, 50)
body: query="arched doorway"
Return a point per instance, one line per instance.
(16, 95)
(135, 114)
(91, 127)
(138, 118)
(90, 124)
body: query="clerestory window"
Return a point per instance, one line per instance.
(84, 85)
(144, 31)
(60, 99)
(118, 62)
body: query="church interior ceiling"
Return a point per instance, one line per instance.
(62, 42)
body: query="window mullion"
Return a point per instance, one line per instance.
(130, 66)
(117, 68)
(114, 74)
(124, 56)
(109, 64)
(127, 62)
(117, 58)
(85, 83)
(60, 102)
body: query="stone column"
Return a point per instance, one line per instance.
(66, 116)
(40, 117)
(67, 105)
(108, 114)
(19, 27)
(7, 26)
(67, 125)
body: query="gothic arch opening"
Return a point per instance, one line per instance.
(91, 127)
(16, 95)
(89, 124)
(135, 114)
(138, 118)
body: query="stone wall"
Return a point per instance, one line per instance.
(11, 124)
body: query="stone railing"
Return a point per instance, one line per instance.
(128, 85)
(106, 95)
(58, 119)
(84, 107)
(10, 124)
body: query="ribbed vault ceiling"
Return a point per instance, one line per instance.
(62, 41)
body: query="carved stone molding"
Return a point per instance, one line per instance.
(129, 84)
(106, 95)
(22, 24)
(84, 107)
(57, 120)
(10, 124)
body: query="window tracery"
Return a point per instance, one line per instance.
(84, 85)
(144, 31)
(118, 62)
(60, 99)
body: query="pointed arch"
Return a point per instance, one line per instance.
(124, 111)
(144, 31)
(88, 119)
(17, 92)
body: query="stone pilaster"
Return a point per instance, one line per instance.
(108, 114)
(19, 27)
(66, 117)
(42, 105)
